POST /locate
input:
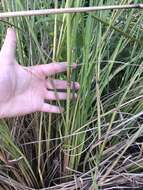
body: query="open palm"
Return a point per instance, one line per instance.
(24, 90)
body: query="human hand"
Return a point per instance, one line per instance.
(23, 90)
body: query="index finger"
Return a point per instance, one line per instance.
(54, 68)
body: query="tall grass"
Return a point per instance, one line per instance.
(97, 142)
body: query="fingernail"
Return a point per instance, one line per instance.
(11, 33)
(74, 65)
(77, 85)
(9, 30)
(74, 96)
(61, 110)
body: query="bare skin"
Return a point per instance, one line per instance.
(23, 90)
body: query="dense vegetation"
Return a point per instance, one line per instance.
(97, 142)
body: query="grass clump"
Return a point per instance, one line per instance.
(97, 142)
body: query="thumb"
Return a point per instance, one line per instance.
(9, 46)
